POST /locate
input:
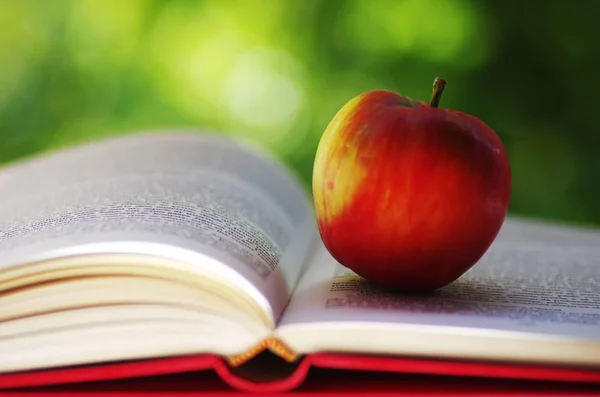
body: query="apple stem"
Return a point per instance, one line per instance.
(438, 89)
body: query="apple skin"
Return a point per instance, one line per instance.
(407, 195)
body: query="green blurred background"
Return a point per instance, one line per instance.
(275, 72)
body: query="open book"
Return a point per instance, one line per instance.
(178, 244)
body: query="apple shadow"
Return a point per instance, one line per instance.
(463, 296)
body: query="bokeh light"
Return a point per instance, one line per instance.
(275, 72)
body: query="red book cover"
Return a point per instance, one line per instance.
(322, 373)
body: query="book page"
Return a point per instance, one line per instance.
(535, 278)
(201, 193)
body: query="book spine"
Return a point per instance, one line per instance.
(274, 345)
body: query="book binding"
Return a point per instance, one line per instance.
(273, 345)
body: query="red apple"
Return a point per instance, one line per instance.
(409, 195)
